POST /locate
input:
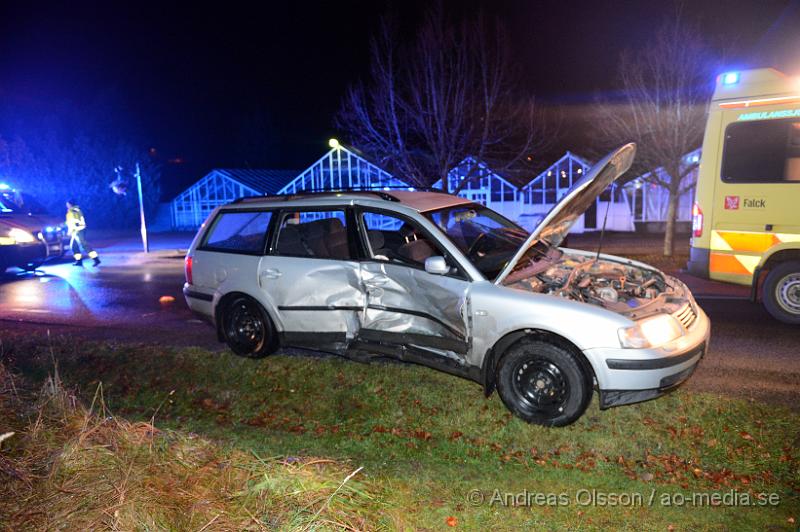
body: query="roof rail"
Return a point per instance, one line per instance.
(382, 192)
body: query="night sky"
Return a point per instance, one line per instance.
(184, 80)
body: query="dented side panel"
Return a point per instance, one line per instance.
(314, 298)
(410, 306)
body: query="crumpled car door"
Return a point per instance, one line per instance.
(417, 310)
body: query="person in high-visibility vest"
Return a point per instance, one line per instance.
(76, 228)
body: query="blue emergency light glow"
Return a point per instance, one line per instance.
(3, 186)
(730, 78)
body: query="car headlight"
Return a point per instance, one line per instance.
(21, 236)
(650, 332)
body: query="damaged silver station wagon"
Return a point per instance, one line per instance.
(435, 279)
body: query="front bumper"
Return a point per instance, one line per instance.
(627, 376)
(609, 398)
(22, 255)
(56, 242)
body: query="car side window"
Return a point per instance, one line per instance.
(314, 234)
(393, 239)
(762, 151)
(238, 232)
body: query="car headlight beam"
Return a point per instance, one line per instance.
(21, 236)
(650, 332)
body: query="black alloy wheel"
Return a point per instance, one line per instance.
(543, 383)
(247, 329)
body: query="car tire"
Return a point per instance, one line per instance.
(247, 329)
(781, 292)
(31, 266)
(543, 383)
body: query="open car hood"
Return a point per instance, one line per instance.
(557, 222)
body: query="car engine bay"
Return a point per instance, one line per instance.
(608, 283)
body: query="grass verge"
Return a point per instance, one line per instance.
(435, 453)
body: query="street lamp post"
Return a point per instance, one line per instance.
(143, 225)
(120, 187)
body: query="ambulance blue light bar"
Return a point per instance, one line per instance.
(730, 78)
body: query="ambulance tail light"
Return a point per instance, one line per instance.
(697, 220)
(187, 262)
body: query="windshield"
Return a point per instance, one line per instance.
(487, 239)
(12, 201)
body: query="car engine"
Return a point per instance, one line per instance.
(614, 285)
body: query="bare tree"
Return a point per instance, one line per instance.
(667, 86)
(445, 95)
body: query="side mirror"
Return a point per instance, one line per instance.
(436, 265)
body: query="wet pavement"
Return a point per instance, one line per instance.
(131, 296)
(751, 355)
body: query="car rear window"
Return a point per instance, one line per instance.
(239, 232)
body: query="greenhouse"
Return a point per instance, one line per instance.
(622, 208)
(649, 201)
(483, 186)
(220, 186)
(339, 168)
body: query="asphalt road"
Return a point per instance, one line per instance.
(750, 355)
(121, 299)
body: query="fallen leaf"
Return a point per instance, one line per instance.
(422, 435)
(745, 436)
(451, 521)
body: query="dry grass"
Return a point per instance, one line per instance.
(70, 467)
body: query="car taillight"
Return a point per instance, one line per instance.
(697, 220)
(188, 268)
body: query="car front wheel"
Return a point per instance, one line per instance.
(247, 329)
(781, 294)
(543, 383)
(31, 266)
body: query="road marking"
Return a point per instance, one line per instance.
(34, 310)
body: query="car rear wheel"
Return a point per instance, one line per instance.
(247, 329)
(781, 294)
(543, 383)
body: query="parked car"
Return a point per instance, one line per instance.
(438, 280)
(29, 235)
